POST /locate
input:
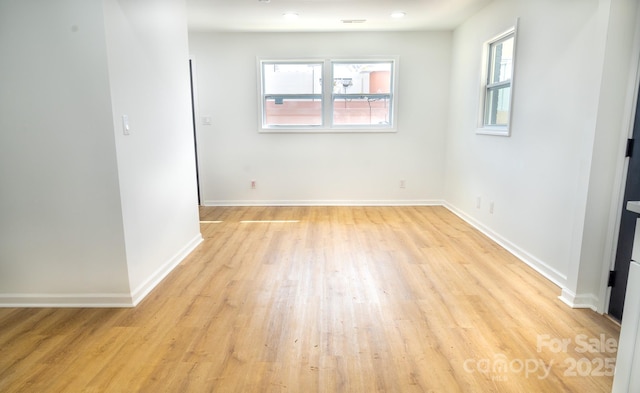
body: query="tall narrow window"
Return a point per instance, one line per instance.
(497, 90)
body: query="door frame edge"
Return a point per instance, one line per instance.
(615, 213)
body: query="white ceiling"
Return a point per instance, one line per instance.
(326, 15)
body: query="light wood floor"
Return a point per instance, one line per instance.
(321, 299)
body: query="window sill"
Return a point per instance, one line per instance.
(323, 130)
(495, 131)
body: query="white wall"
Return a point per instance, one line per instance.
(89, 217)
(61, 231)
(362, 168)
(540, 179)
(149, 69)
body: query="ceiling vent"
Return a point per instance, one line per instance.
(353, 20)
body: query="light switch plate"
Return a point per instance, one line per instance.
(125, 125)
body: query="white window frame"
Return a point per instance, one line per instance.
(488, 129)
(263, 96)
(328, 98)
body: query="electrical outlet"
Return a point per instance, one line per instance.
(253, 184)
(478, 202)
(403, 184)
(491, 207)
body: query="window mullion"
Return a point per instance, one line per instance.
(327, 94)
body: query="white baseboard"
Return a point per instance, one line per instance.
(329, 202)
(536, 264)
(143, 290)
(84, 300)
(579, 300)
(93, 300)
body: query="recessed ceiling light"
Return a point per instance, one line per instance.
(290, 15)
(398, 14)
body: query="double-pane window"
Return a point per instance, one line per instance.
(327, 95)
(498, 84)
(362, 93)
(292, 94)
(498, 97)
